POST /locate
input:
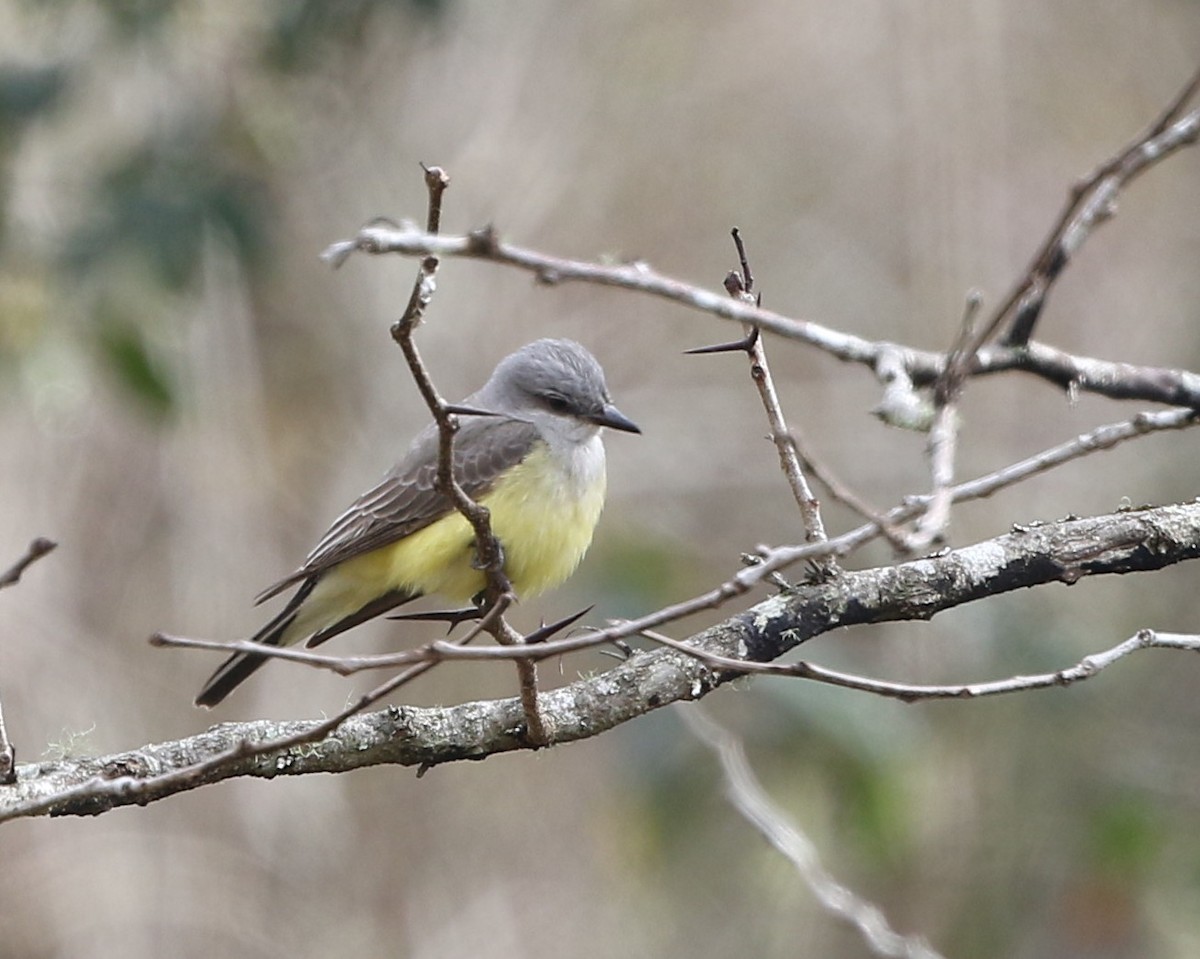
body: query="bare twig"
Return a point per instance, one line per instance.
(751, 801)
(1123, 381)
(489, 554)
(742, 287)
(1103, 438)
(943, 435)
(1065, 551)
(1086, 668)
(35, 551)
(847, 497)
(1091, 202)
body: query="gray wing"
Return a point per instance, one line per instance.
(406, 499)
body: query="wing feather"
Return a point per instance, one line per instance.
(406, 499)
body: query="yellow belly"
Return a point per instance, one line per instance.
(544, 522)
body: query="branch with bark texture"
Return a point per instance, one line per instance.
(1092, 203)
(1065, 551)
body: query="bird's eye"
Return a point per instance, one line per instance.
(557, 402)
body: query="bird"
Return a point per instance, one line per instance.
(533, 456)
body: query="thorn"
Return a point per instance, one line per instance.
(461, 410)
(543, 634)
(744, 345)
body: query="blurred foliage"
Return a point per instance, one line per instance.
(193, 176)
(129, 356)
(1125, 837)
(890, 156)
(158, 204)
(305, 29)
(138, 18)
(26, 93)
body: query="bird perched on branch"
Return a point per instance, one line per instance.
(533, 457)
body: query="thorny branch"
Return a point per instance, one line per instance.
(1134, 540)
(1137, 539)
(499, 593)
(745, 580)
(741, 286)
(1114, 380)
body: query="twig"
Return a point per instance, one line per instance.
(943, 435)
(1122, 381)
(841, 493)
(751, 801)
(1091, 202)
(1120, 543)
(1086, 668)
(499, 593)
(742, 287)
(35, 551)
(1102, 438)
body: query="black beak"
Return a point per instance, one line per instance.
(614, 419)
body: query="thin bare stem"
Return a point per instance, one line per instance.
(35, 551)
(1091, 202)
(751, 801)
(843, 494)
(1085, 669)
(740, 286)
(499, 593)
(943, 435)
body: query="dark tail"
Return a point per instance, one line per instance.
(238, 667)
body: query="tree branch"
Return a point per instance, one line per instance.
(1065, 551)
(1123, 381)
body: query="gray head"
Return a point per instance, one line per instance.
(553, 381)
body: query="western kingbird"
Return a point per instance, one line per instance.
(537, 463)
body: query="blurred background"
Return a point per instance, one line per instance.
(188, 397)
